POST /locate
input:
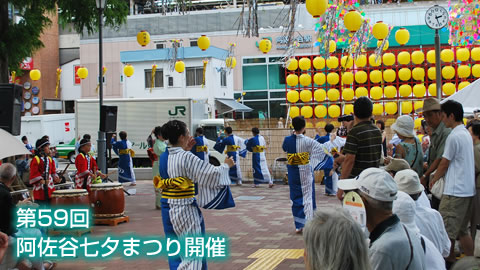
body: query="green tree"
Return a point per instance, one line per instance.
(21, 39)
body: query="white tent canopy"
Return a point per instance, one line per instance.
(11, 146)
(469, 97)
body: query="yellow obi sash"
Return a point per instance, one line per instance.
(126, 152)
(175, 188)
(298, 158)
(258, 149)
(232, 148)
(202, 148)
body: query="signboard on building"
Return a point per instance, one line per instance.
(304, 42)
(27, 64)
(76, 79)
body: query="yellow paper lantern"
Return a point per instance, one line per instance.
(353, 20)
(380, 30)
(375, 76)
(463, 54)
(418, 57)
(418, 74)
(372, 62)
(294, 111)
(419, 90)
(308, 124)
(405, 90)
(333, 94)
(304, 63)
(347, 77)
(431, 56)
(319, 78)
(361, 77)
(333, 78)
(306, 111)
(35, 74)
(292, 64)
(82, 73)
(390, 91)
(432, 90)
(347, 61)
(305, 79)
(448, 89)
(348, 94)
(128, 70)
(348, 109)
(306, 95)
(446, 55)
(388, 59)
(377, 109)
(402, 36)
(432, 74)
(265, 45)
(334, 111)
(320, 111)
(376, 93)
(293, 96)
(389, 75)
(320, 95)
(332, 62)
(143, 38)
(463, 71)
(476, 70)
(361, 61)
(404, 74)
(316, 8)
(319, 62)
(361, 92)
(403, 58)
(391, 108)
(231, 62)
(385, 46)
(475, 54)
(417, 105)
(292, 80)
(203, 42)
(332, 46)
(463, 85)
(448, 72)
(179, 66)
(407, 107)
(418, 122)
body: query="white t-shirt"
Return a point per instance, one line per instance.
(460, 176)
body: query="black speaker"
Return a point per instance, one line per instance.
(10, 108)
(108, 120)
(109, 136)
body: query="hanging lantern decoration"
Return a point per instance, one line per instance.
(57, 85)
(205, 62)
(403, 58)
(377, 109)
(348, 109)
(306, 111)
(385, 46)
(361, 61)
(402, 36)
(446, 55)
(304, 63)
(320, 111)
(306, 95)
(128, 70)
(418, 57)
(320, 95)
(405, 90)
(404, 74)
(35, 74)
(388, 59)
(375, 76)
(475, 54)
(334, 111)
(316, 8)
(476, 70)
(294, 111)
(82, 73)
(432, 73)
(292, 96)
(361, 77)
(407, 107)
(376, 92)
(319, 78)
(333, 94)
(348, 94)
(265, 45)
(374, 62)
(389, 75)
(179, 66)
(332, 62)
(418, 74)
(346, 61)
(463, 54)
(390, 91)
(431, 57)
(347, 77)
(332, 46)
(319, 62)
(380, 30)
(432, 90)
(361, 92)
(391, 108)
(292, 80)
(292, 64)
(419, 90)
(417, 105)
(463, 85)
(203, 42)
(448, 89)
(448, 72)
(305, 79)
(231, 62)
(152, 79)
(143, 38)
(353, 21)
(333, 78)
(463, 71)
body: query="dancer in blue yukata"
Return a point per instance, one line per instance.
(327, 178)
(235, 148)
(125, 153)
(200, 149)
(257, 146)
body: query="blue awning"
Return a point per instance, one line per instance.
(234, 105)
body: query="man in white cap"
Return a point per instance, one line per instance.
(392, 246)
(428, 220)
(404, 208)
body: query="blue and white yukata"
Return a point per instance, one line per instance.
(180, 172)
(327, 178)
(257, 146)
(235, 148)
(124, 151)
(200, 149)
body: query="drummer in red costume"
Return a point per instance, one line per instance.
(87, 168)
(43, 173)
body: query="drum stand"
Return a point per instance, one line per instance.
(112, 221)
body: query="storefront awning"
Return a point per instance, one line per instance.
(231, 105)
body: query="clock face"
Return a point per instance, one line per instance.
(436, 17)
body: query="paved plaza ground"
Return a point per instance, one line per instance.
(260, 229)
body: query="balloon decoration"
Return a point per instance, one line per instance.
(304, 63)
(402, 36)
(35, 74)
(265, 45)
(305, 79)
(179, 66)
(143, 38)
(128, 70)
(82, 73)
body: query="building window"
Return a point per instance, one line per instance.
(223, 78)
(194, 76)
(254, 60)
(160, 45)
(170, 81)
(158, 78)
(193, 43)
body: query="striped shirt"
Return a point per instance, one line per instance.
(364, 141)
